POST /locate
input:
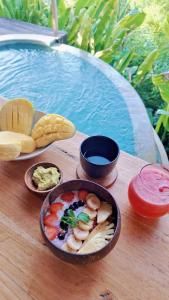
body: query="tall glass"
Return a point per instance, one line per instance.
(149, 191)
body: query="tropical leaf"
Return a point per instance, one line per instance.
(123, 63)
(106, 54)
(116, 39)
(61, 6)
(104, 19)
(146, 66)
(26, 10)
(166, 123)
(83, 38)
(92, 43)
(162, 82)
(166, 26)
(123, 7)
(64, 18)
(159, 124)
(82, 4)
(129, 23)
(73, 30)
(105, 40)
(93, 9)
(132, 20)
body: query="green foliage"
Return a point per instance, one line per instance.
(162, 82)
(33, 11)
(146, 66)
(124, 61)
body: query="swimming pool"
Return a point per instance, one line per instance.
(58, 81)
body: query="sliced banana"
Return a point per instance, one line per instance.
(66, 248)
(93, 202)
(80, 234)
(91, 213)
(85, 226)
(98, 238)
(73, 243)
(104, 212)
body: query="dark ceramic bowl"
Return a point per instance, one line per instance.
(104, 195)
(99, 146)
(29, 173)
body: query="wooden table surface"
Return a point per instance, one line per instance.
(137, 268)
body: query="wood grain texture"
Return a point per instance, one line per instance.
(137, 269)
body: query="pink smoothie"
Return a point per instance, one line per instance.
(149, 191)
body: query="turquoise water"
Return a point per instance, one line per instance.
(62, 83)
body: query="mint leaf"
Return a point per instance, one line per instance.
(70, 219)
(71, 213)
(73, 223)
(83, 217)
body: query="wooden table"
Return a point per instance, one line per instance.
(137, 268)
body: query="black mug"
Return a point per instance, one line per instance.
(98, 155)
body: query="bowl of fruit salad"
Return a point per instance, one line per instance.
(80, 221)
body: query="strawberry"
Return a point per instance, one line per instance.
(82, 194)
(50, 220)
(51, 232)
(68, 196)
(55, 207)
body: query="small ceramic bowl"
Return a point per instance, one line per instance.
(105, 196)
(28, 177)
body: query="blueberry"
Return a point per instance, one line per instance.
(63, 226)
(66, 212)
(81, 203)
(75, 205)
(71, 207)
(66, 227)
(61, 235)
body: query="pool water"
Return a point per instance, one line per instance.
(59, 82)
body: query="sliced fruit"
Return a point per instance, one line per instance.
(51, 220)
(17, 115)
(67, 248)
(104, 212)
(55, 207)
(73, 243)
(82, 194)
(9, 150)
(50, 128)
(93, 202)
(91, 213)
(68, 196)
(27, 142)
(85, 226)
(80, 234)
(51, 232)
(98, 238)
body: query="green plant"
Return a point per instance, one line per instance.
(33, 11)
(162, 82)
(102, 28)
